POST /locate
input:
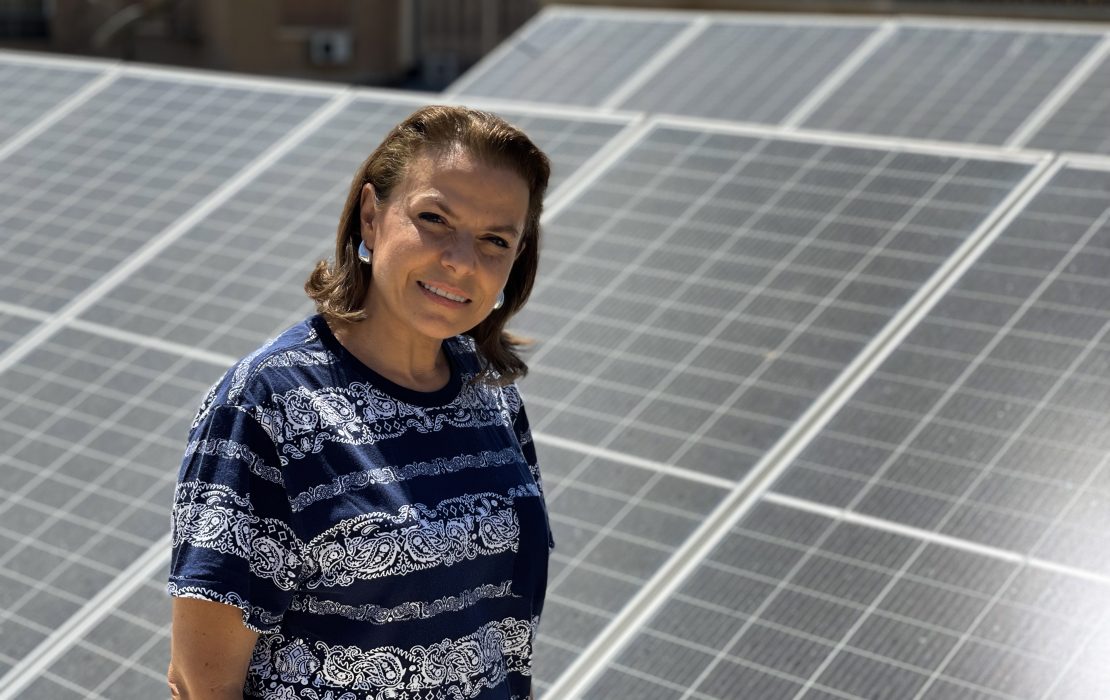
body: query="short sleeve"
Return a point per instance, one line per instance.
(232, 527)
(528, 448)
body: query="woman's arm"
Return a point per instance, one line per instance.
(210, 650)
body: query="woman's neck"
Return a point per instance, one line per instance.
(414, 363)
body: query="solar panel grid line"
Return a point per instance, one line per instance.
(996, 112)
(90, 183)
(838, 75)
(502, 50)
(993, 74)
(932, 83)
(616, 145)
(894, 580)
(917, 533)
(978, 429)
(679, 42)
(94, 610)
(831, 598)
(1065, 90)
(588, 667)
(688, 402)
(158, 242)
(22, 138)
(727, 318)
(217, 78)
(938, 184)
(1076, 654)
(964, 636)
(14, 496)
(1000, 24)
(805, 324)
(153, 342)
(954, 386)
(121, 164)
(614, 283)
(23, 311)
(908, 144)
(934, 537)
(628, 14)
(779, 586)
(631, 460)
(100, 531)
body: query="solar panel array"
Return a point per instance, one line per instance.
(822, 367)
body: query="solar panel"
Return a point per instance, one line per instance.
(89, 425)
(787, 451)
(569, 59)
(1080, 123)
(746, 71)
(952, 85)
(794, 603)
(987, 422)
(81, 197)
(237, 276)
(29, 90)
(122, 656)
(699, 295)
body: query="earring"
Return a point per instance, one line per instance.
(364, 254)
(500, 300)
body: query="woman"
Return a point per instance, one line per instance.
(359, 512)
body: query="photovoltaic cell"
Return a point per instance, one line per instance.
(954, 85)
(1082, 123)
(12, 328)
(792, 604)
(699, 295)
(988, 422)
(122, 656)
(29, 91)
(92, 189)
(572, 60)
(747, 72)
(614, 525)
(237, 277)
(93, 433)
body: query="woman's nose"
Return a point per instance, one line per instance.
(459, 253)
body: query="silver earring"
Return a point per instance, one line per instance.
(500, 300)
(365, 254)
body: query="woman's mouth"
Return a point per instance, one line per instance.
(443, 293)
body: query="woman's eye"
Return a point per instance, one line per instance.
(431, 218)
(498, 241)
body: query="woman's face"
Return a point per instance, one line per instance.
(443, 243)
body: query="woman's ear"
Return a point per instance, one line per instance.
(368, 209)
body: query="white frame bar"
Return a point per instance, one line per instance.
(1056, 99)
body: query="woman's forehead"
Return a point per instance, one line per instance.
(456, 168)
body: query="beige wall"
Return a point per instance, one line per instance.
(390, 40)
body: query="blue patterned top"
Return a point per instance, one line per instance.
(387, 543)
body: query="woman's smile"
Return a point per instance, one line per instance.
(445, 296)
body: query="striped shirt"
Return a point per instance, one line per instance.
(386, 543)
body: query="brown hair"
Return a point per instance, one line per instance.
(339, 287)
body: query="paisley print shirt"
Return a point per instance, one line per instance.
(386, 543)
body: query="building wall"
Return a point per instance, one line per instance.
(418, 43)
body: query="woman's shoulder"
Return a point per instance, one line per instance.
(282, 362)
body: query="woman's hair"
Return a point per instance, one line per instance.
(339, 287)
